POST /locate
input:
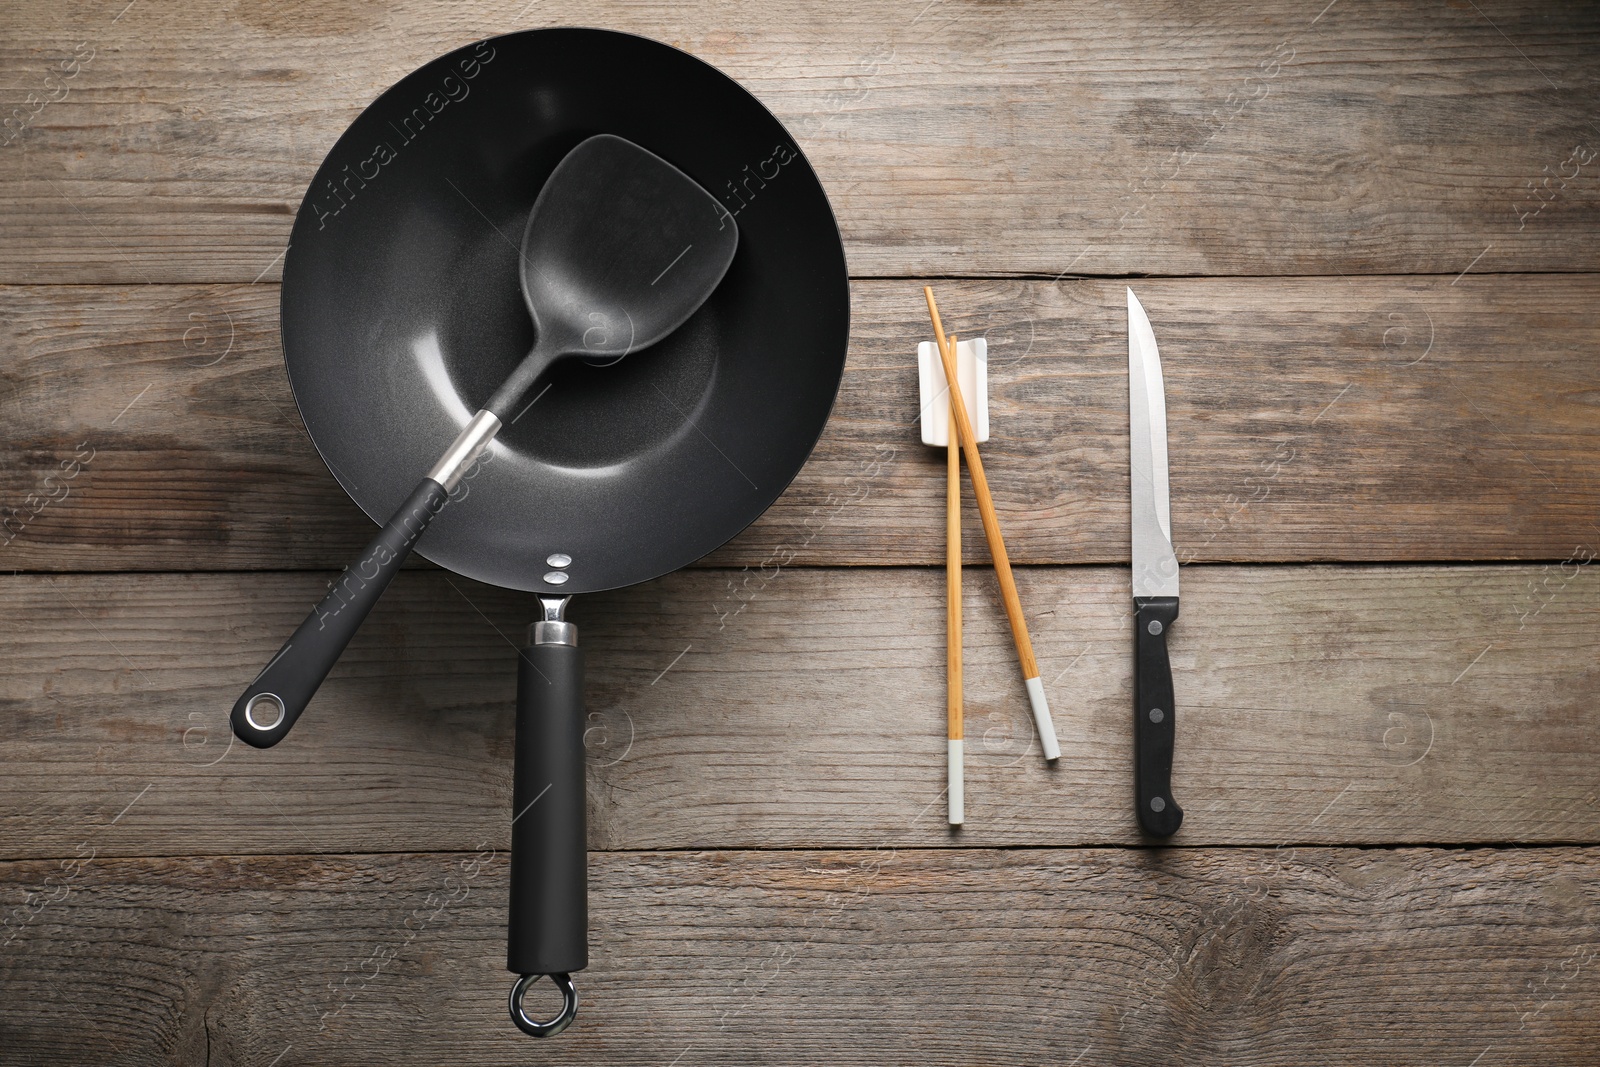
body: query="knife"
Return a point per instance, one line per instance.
(1155, 580)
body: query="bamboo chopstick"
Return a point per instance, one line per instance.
(997, 545)
(952, 654)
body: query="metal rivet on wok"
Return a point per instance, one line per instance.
(558, 560)
(556, 578)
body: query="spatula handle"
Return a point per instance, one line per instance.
(271, 704)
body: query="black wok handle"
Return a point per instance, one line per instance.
(549, 919)
(1154, 720)
(271, 703)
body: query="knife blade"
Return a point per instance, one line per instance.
(1155, 580)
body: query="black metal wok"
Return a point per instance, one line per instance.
(402, 312)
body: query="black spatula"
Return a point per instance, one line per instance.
(621, 248)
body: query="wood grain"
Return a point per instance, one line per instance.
(1309, 419)
(1367, 239)
(805, 707)
(958, 137)
(1206, 957)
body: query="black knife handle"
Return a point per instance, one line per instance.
(1153, 716)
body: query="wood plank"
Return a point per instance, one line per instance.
(804, 708)
(1310, 419)
(1249, 957)
(959, 137)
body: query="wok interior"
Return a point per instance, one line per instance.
(402, 311)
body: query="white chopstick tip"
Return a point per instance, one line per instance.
(958, 812)
(1042, 720)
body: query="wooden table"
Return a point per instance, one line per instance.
(1369, 239)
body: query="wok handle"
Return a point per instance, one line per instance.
(272, 703)
(548, 929)
(549, 918)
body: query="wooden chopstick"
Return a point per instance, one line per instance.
(952, 570)
(997, 545)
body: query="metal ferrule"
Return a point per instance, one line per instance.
(553, 629)
(553, 633)
(466, 448)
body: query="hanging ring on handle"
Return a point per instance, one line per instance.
(569, 1005)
